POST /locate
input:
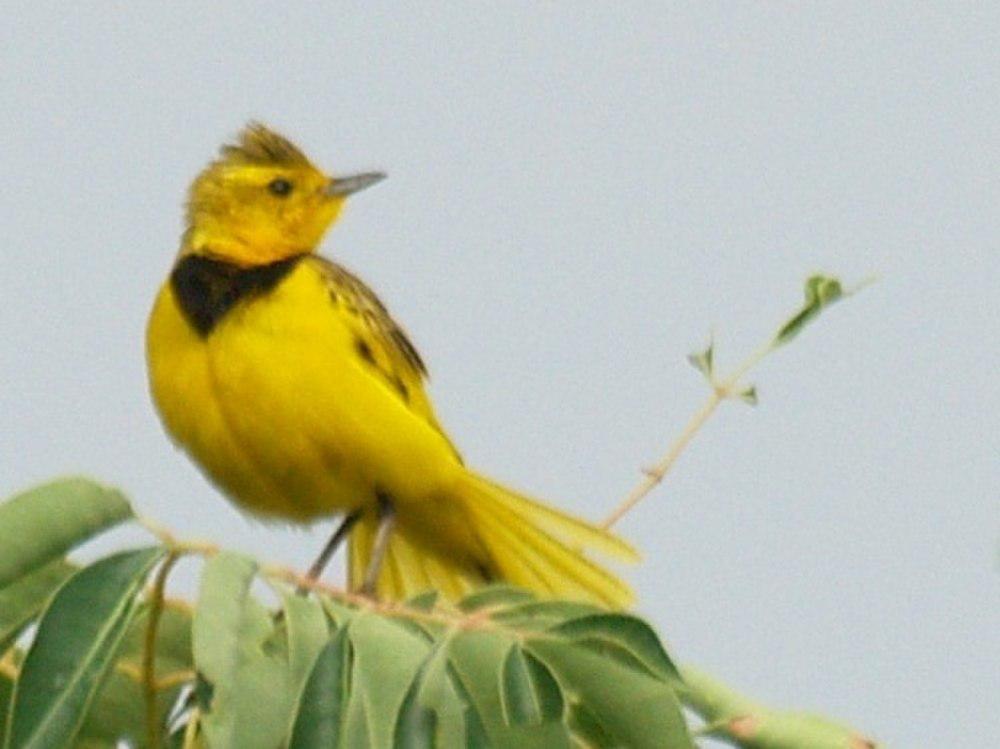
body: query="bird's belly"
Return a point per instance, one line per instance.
(290, 428)
(262, 476)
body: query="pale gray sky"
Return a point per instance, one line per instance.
(578, 194)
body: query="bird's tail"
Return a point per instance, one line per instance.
(483, 532)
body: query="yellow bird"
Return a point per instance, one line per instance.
(284, 377)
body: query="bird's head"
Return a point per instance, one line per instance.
(262, 200)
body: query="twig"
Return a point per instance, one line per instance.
(724, 390)
(820, 292)
(453, 619)
(167, 681)
(150, 686)
(388, 608)
(175, 679)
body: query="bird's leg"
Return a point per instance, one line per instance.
(386, 522)
(331, 546)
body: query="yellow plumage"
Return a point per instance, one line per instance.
(287, 381)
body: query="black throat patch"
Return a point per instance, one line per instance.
(206, 289)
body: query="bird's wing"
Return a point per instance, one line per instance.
(381, 343)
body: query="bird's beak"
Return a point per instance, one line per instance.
(341, 187)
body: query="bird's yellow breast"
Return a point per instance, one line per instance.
(276, 393)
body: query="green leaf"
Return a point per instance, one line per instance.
(636, 710)
(433, 713)
(587, 729)
(241, 658)
(225, 614)
(749, 395)
(322, 706)
(787, 730)
(612, 632)
(431, 628)
(475, 730)
(541, 615)
(424, 601)
(430, 631)
(338, 612)
(118, 713)
(42, 524)
(307, 629)
(23, 600)
(529, 692)
(702, 361)
(173, 638)
(732, 716)
(387, 656)
(76, 643)
(416, 724)
(820, 292)
(498, 595)
(477, 659)
(433, 677)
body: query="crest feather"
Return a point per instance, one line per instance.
(258, 144)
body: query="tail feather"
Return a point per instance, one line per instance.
(413, 566)
(573, 530)
(448, 579)
(483, 531)
(518, 546)
(503, 545)
(407, 569)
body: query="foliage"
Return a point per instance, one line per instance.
(324, 669)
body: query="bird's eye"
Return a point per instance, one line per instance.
(280, 187)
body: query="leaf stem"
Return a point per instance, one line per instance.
(150, 686)
(453, 619)
(385, 608)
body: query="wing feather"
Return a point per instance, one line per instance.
(381, 342)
